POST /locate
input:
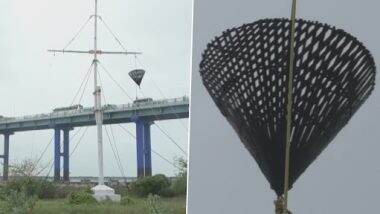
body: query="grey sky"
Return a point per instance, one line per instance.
(34, 81)
(223, 176)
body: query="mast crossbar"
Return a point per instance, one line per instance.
(100, 52)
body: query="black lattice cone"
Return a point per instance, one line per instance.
(245, 71)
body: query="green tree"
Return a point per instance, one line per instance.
(179, 184)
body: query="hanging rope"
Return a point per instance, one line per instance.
(77, 34)
(113, 144)
(165, 159)
(80, 140)
(163, 95)
(51, 162)
(43, 153)
(166, 133)
(137, 87)
(127, 131)
(84, 85)
(153, 151)
(161, 129)
(113, 79)
(115, 153)
(113, 34)
(84, 81)
(289, 111)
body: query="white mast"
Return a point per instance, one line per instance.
(97, 90)
(97, 96)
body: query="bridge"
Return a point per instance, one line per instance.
(143, 114)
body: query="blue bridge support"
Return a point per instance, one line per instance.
(62, 153)
(5, 156)
(143, 147)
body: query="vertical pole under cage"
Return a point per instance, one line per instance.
(289, 105)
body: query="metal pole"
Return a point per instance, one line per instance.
(97, 90)
(97, 96)
(289, 103)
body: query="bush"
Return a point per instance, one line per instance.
(121, 189)
(81, 197)
(17, 202)
(45, 189)
(167, 192)
(153, 203)
(32, 187)
(179, 185)
(63, 191)
(126, 200)
(149, 185)
(19, 185)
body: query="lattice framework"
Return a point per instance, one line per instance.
(245, 71)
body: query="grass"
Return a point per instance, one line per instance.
(174, 205)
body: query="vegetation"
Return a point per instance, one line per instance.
(151, 195)
(154, 204)
(179, 185)
(19, 196)
(26, 168)
(161, 185)
(149, 185)
(31, 187)
(81, 197)
(175, 205)
(17, 203)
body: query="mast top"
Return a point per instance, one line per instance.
(95, 51)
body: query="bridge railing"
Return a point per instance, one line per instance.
(106, 108)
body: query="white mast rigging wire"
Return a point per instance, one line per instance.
(97, 89)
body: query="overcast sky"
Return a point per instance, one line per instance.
(33, 81)
(225, 179)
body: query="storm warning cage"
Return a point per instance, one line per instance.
(245, 71)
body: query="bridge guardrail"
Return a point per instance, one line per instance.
(107, 108)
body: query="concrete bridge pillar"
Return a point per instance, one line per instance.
(64, 152)
(5, 156)
(143, 146)
(57, 154)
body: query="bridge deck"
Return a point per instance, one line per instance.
(152, 111)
